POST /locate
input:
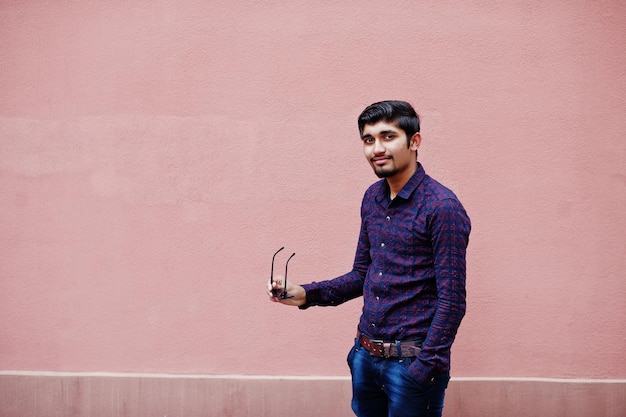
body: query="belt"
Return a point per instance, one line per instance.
(383, 349)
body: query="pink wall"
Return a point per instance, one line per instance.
(153, 155)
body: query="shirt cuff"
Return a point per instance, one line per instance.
(312, 296)
(422, 373)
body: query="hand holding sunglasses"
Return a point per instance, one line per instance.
(281, 290)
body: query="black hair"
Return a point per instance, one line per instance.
(392, 111)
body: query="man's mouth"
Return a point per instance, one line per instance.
(380, 160)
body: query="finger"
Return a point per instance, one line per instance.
(273, 293)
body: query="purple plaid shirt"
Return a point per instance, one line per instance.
(409, 267)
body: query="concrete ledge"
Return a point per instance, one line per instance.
(540, 397)
(55, 394)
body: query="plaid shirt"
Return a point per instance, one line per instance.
(410, 269)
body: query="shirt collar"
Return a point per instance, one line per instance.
(408, 189)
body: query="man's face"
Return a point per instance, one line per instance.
(385, 147)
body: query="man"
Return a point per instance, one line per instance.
(410, 269)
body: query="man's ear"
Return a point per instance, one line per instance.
(416, 139)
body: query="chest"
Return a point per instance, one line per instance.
(398, 231)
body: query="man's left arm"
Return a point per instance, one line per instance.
(450, 228)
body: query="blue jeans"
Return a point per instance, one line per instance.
(383, 387)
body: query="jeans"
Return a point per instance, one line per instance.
(383, 387)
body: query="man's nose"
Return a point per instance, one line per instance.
(378, 147)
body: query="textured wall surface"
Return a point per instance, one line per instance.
(55, 394)
(155, 154)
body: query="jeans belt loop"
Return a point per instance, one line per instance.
(399, 349)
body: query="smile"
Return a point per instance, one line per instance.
(380, 160)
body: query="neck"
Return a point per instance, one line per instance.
(400, 179)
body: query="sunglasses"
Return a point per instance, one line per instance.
(277, 292)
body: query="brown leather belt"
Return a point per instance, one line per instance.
(384, 349)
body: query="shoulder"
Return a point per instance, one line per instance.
(437, 191)
(442, 202)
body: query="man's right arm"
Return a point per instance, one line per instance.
(345, 287)
(335, 291)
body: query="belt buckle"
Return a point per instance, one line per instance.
(381, 348)
(386, 349)
(376, 347)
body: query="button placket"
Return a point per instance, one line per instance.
(380, 273)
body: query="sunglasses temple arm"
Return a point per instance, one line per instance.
(287, 264)
(273, 257)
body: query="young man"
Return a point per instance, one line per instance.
(410, 269)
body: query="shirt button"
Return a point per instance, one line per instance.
(380, 274)
(382, 245)
(388, 218)
(373, 325)
(377, 297)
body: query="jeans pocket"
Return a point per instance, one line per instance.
(419, 386)
(406, 363)
(352, 352)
